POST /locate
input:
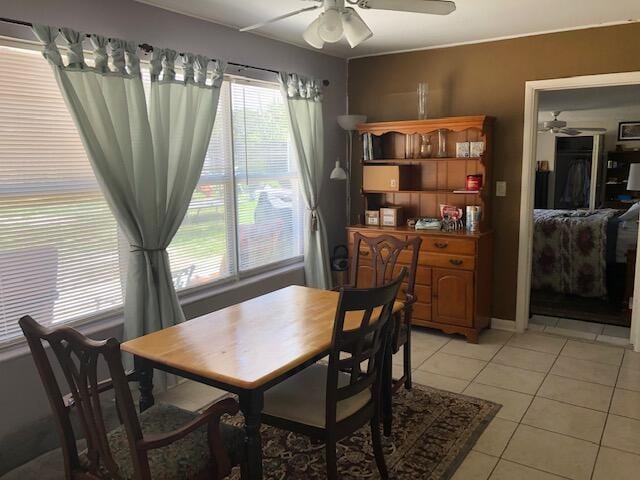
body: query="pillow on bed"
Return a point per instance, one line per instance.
(632, 214)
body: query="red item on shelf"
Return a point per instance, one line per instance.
(474, 182)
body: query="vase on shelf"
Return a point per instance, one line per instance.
(426, 147)
(442, 143)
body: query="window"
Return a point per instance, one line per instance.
(62, 256)
(267, 195)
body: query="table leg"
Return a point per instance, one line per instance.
(251, 403)
(145, 382)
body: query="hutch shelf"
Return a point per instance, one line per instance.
(454, 274)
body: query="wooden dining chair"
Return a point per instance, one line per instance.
(327, 404)
(162, 443)
(375, 265)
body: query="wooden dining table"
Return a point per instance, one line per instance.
(245, 349)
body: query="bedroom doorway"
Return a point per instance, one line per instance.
(577, 175)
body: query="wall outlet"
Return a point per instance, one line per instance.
(393, 183)
(501, 189)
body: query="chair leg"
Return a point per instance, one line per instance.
(407, 361)
(332, 460)
(376, 442)
(387, 393)
(244, 470)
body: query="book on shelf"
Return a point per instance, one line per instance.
(371, 147)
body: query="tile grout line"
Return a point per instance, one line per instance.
(546, 375)
(530, 403)
(566, 340)
(606, 420)
(481, 370)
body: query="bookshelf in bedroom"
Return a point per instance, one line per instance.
(453, 285)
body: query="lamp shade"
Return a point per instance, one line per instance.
(312, 36)
(355, 30)
(634, 177)
(338, 172)
(350, 122)
(330, 28)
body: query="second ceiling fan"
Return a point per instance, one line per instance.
(338, 20)
(556, 126)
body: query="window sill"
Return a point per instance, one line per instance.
(114, 319)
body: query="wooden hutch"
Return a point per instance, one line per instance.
(453, 285)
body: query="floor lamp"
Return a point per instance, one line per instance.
(349, 124)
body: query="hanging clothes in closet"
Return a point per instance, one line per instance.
(576, 189)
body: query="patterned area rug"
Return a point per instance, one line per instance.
(432, 433)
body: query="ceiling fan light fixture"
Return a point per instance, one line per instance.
(355, 29)
(311, 34)
(330, 28)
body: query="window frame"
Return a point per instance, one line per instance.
(107, 318)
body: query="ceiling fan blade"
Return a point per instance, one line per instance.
(281, 17)
(571, 131)
(433, 7)
(589, 129)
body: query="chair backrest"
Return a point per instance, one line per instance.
(382, 258)
(79, 357)
(361, 330)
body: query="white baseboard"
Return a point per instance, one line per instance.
(500, 324)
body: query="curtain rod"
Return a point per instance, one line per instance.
(148, 48)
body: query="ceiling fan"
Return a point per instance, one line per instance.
(556, 126)
(338, 20)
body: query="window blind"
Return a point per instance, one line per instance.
(59, 246)
(63, 258)
(203, 249)
(267, 191)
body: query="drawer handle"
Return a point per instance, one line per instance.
(441, 244)
(364, 253)
(455, 261)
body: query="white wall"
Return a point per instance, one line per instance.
(24, 412)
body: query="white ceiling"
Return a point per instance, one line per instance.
(473, 21)
(595, 98)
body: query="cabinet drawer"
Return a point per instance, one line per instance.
(405, 257)
(462, 262)
(376, 234)
(448, 245)
(423, 275)
(422, 293)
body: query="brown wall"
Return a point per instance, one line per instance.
(489, 78)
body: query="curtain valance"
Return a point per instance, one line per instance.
(298, 86)
(118, 57)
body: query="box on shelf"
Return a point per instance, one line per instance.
(386, 178)
(390, 216)
(372, 217)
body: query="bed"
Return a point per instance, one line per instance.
(580, 252)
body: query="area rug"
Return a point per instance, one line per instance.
(433, 431)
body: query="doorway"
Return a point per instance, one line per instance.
(533, 92)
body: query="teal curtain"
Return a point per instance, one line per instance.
(303, 97)
(147, 157)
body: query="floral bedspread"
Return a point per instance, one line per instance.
(569, 251)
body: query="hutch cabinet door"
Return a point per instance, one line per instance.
(452, 296)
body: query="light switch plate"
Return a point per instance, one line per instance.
(501, 189)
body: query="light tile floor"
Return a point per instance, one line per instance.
(571, 401)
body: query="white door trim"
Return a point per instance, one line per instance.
(532, 90)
